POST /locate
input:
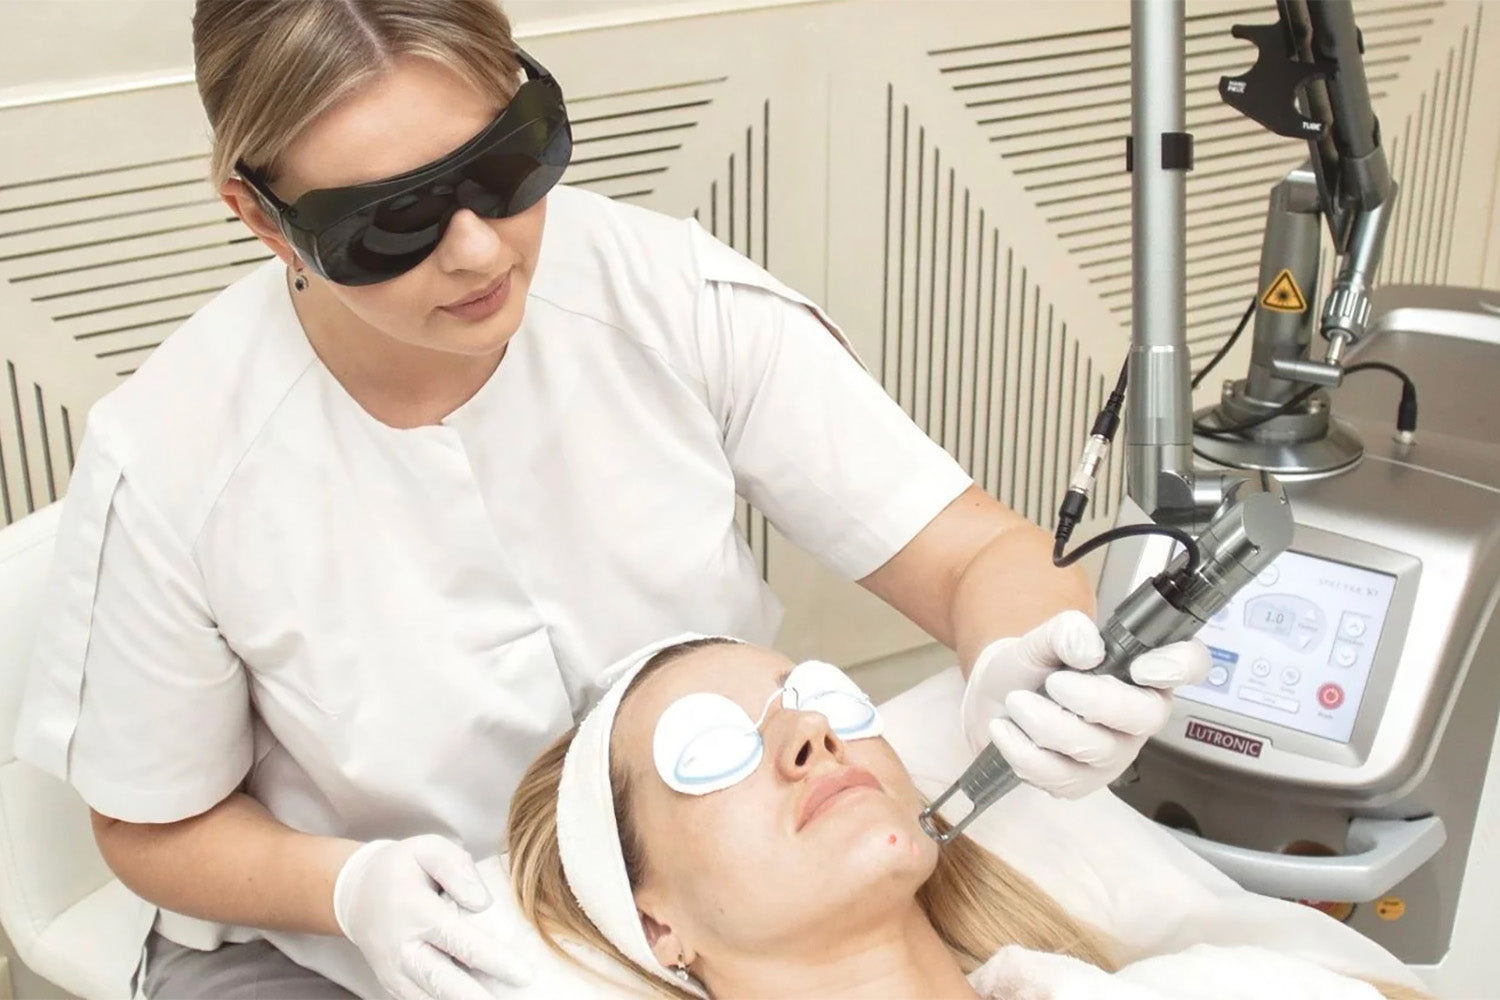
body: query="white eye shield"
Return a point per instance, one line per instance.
(706, 742)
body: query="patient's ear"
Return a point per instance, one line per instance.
(666, 945)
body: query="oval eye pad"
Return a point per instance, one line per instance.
(705, 742)
(815, 686)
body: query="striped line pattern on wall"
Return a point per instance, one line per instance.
(969, 347)
(34, 480)
(37, 434)
(117, 258)
(737, 212)
(1426, 155)
(1057, 108)
(113, 259)
(624, 141)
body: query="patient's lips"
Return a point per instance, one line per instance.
(830, 789)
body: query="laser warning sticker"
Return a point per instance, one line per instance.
(1283, 295)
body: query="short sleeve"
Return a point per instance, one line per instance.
(814, 441)
(134, 698)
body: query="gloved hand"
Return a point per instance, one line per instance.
(388, 901)
(1087, 729)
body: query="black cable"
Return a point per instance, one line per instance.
(1127, 531)
(1382, 367)
(1076, 499)
(1228, 344)
(1232, 432)
(1108, 420)
(1106, 424)
(1406, 411)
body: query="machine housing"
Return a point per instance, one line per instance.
(1264, 764)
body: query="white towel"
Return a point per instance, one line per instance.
(587, 835)
(1236, 973)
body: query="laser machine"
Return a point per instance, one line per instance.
(1344, 576)
(1342, 750)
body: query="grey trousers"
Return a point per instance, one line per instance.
(251, 971)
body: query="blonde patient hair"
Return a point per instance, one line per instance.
(976, 902)
(266, 68)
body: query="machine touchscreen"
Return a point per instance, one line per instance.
(1295, 647)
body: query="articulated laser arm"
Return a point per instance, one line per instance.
(1317, 49)
(1238, 522)
(1279, 416)
(1241, 521)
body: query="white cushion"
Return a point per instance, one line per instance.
(70, 921)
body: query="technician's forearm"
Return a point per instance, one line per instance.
(1011, 586)
(234, 864)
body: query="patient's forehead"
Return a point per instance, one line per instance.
(740, 672)
(745, 674)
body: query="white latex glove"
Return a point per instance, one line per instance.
(1087, 729)
(388, 900)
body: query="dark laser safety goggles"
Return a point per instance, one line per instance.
(368, 233)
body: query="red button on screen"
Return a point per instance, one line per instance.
(1330, 696)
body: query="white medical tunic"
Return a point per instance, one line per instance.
(373, 631)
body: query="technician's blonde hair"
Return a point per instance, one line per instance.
(976, 902)
(266, 68)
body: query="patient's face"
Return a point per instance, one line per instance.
(761, 866)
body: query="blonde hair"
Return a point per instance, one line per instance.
(266, 68)
(976, 902)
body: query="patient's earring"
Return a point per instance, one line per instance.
(681, 969)
(299, 280)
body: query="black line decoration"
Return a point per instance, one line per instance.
(738, 213)
(1056, 108)
(969, 345)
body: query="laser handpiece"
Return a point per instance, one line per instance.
(1251, 528)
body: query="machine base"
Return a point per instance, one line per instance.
(1335, 452)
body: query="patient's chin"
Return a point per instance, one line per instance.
(880, 844)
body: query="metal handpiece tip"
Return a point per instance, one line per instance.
(930, 825)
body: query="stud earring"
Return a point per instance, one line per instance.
(680, 969)
(299, 283)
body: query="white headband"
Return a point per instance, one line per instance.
(587, 836)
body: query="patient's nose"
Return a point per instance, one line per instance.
(806, 742)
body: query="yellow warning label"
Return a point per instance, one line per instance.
(1283, 295)
(1390, 908)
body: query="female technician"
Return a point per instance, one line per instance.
(337, 561)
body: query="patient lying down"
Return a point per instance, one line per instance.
(728, 824)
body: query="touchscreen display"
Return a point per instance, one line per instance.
(1296, 645)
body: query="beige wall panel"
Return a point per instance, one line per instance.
(946, 177)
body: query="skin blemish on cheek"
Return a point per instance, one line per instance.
(893, 840)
